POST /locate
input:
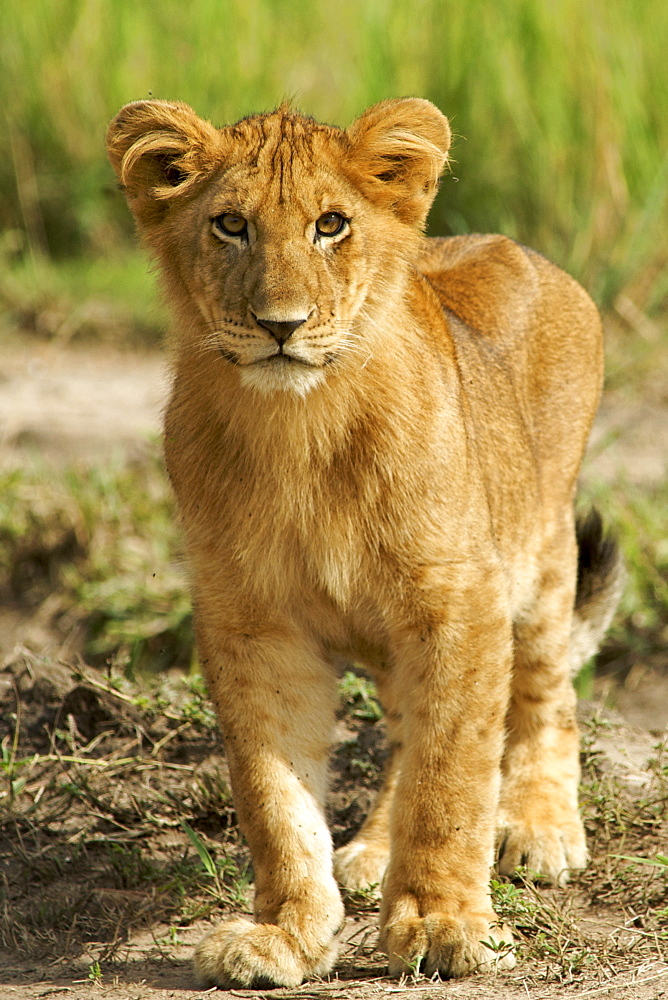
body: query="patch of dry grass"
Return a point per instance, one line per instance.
(115, 813)
(98, 783)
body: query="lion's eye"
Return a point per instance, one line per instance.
(330, 224)
(230, 223)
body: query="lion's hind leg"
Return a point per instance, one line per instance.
(361, 863)
(538, 824)
(581, 582)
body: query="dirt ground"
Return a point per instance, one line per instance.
(58, 406)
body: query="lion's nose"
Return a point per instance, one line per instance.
(280, 330)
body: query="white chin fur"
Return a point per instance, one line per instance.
(268, 379)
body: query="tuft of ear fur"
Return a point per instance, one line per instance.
(398, 151)
(160, 149)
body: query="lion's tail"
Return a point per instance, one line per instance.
(599, 587)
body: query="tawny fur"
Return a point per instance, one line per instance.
(392, 482)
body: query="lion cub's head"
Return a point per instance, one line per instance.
(279, 237)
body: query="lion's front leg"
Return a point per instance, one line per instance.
(436, 912)
(275, 699)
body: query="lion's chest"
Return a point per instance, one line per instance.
(289, 528)
(280, 535)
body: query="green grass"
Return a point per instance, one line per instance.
(118, 791)
(108, 299)
(101, 549)
(557, 107)
(102, 545)
(358, 695)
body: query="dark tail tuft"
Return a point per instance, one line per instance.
(599, 586)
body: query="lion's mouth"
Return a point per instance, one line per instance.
(280, 358)
(276, 360)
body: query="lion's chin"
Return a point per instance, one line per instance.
(282, 375)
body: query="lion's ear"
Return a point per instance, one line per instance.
(398, 151)
(160, 149)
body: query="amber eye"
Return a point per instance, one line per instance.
(330, 224)
(230, 223)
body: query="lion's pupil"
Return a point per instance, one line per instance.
(233, 223)
(329, 224)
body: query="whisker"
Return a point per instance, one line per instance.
(211, 343)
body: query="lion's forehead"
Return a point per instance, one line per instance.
(284, 134)
(282, 160)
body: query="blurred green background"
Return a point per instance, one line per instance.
(559, 110)
(558, 107)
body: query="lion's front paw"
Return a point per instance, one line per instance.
(359, 865)
(551, 851)
(449, 946)
(242, 953)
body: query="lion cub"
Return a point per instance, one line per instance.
(374, 441)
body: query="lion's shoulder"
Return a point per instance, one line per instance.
(488, 282)
(504, 291)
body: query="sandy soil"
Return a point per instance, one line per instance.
(59, 406)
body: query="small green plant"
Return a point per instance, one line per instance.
(413, 970)
(196, 705)
(498, 948)
(10, 765)
(222, 872)
(95, 973)
(512, 903)
(239, 884)
(202, 850)
(106, 545)
(358, 694)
